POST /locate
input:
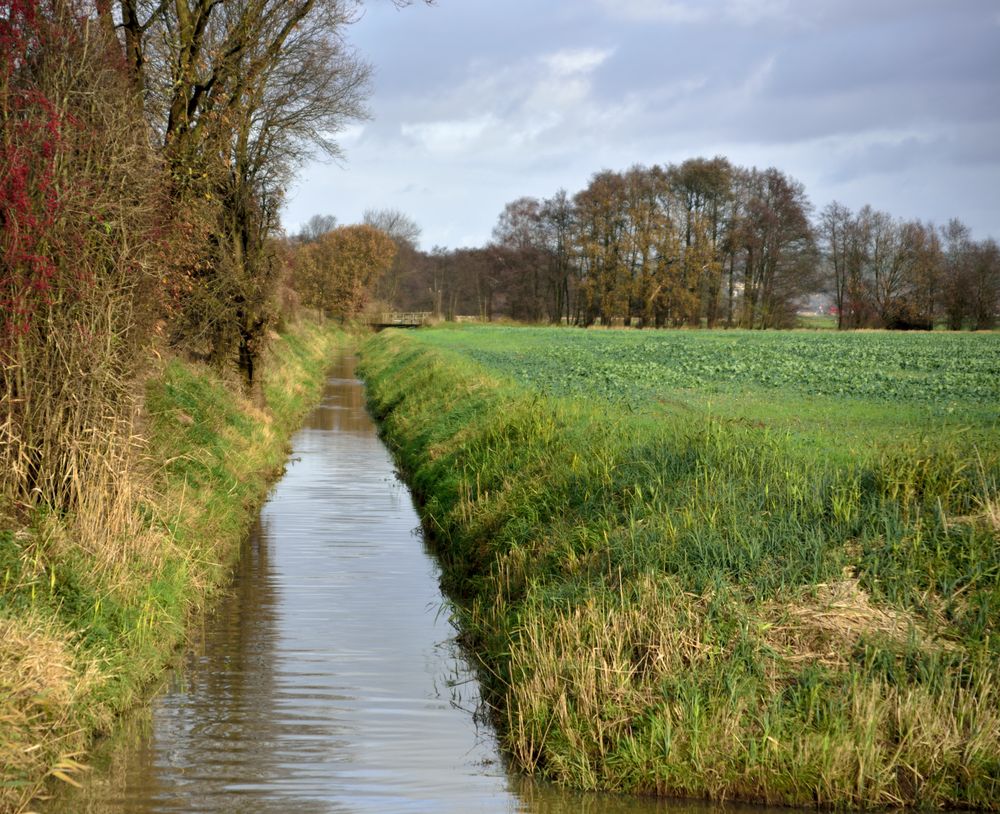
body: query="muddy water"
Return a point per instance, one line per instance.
(328, 679)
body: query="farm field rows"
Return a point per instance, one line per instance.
(852, 392)
(724, 564)
(942, 373)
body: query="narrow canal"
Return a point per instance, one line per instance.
(328, 679)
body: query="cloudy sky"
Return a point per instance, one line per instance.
(895, 103)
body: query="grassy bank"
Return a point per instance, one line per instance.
(85, 628)
(758, 592)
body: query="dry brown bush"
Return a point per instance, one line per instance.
(68, 362)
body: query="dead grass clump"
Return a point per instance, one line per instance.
(40, 684)
(988, 519)
(992, 513)
(825, 626)
(585, 673)
(986, 499)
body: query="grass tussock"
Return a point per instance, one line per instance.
(41, 683)
(94, 599)
(669, 601)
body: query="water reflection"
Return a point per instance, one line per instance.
(326, 680)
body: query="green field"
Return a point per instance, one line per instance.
(725, 564)
(943, 372)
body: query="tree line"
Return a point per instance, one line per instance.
(884, 272)
(706, 243)
(145, 146)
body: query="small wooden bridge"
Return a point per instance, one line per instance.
(398, 319)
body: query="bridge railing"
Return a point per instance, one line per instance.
(408, 319)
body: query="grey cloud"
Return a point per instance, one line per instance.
(887, 156)
(479, 102)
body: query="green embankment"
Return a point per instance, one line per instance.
(676, 600)
(83, 633)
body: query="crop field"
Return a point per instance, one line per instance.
(719, 564)
(944, 372)
(857, 391)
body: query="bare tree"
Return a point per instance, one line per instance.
(985, 280)
(957, 273)
(970, 279)
(240, 91)
(405, 233)
(557, 222)
(834, 229)
(315, 227)
(399, 226)
(520, 233)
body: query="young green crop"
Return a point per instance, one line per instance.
(944, 371)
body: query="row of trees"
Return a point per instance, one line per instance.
(144, 150)
(707, 243)
(884, 272)
(700, 242)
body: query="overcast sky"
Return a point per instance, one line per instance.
(895, 103)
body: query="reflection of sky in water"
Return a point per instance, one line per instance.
(327, 679)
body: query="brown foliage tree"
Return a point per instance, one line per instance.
(337, 272)
(704, 188)
(775, 241)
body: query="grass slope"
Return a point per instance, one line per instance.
(673, 598)
(83, 632)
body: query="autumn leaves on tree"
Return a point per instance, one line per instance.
(336, 271)
(702, 242)
(707, 243)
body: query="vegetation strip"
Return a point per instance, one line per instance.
(85, 629)
(705, 597)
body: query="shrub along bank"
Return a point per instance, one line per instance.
(674, 603)
(84, 629)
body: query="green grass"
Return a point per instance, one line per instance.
(702, 573)
(844, 391)
(81, 640)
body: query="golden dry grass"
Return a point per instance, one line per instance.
(41, 681)
(824, 624)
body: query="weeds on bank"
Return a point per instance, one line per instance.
(685, 604)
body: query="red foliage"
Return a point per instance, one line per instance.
(19, 32)
(32, 138)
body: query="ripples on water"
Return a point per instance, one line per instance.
(328, 679)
